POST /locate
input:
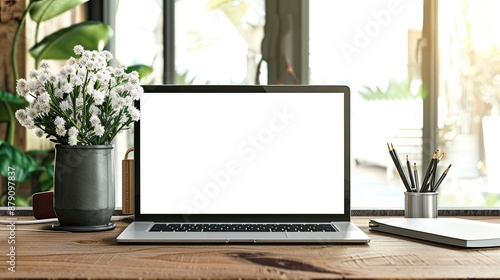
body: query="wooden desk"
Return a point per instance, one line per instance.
(97, 255)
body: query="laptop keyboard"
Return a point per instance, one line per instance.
(243, 228)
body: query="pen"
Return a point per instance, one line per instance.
(441, 178)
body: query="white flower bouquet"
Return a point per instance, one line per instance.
(87, 102)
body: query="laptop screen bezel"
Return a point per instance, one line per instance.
(200, 218)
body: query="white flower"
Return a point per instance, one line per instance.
(44, 64)
(138, 93)
(134, 113)
(103, 78)
(133, 77)
(78, 49)
(59, 122)
(72, 132)
(91, 64)
(32, 85)
(117, 103)
(21, 115)
(79, 102)
(22, 87)
(32, 113)
(65, 105)
(45, 108)
(39, 133)
(57, 100)
(76, 80)
(61, 131)
(94, 110)
(124, 119)
(33, 74)
(94, 120)
(58, 93)
(98, 97)
(44, 97)
(72, 141)
(52, 78)
(108, 55)
(29, 124)
(71, 61)
(42, 78)
(67, 70)
(118, 72)
(99, 130)
(67, 88)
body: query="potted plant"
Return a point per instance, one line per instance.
(81, 108)
(37, 165)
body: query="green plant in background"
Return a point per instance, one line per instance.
(143, 70)
(395, 90)
(92, 35)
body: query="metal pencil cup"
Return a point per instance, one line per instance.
(421, 205)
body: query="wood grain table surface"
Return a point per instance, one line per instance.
(48, 254)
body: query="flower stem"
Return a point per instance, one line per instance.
(14, 43)
(12, 123)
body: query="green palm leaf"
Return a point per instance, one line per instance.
(92, 35)
(12, 157)
(44, 10)
(143, 70)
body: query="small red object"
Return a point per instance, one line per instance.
(43, 205)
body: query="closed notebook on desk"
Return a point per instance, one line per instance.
(451, 231)
(243, 164)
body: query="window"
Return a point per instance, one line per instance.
(217, 42)
(468, 104)
(423, 75)
(374, 50)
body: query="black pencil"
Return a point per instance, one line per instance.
(410, 174)
(434, 171)
(432, 179)
(428, 173)
(399, 168)
(416, 176)
(403, 176)
(438, 183)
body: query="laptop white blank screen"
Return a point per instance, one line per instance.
(242, 153)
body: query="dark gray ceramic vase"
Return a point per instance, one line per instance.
(84, 187)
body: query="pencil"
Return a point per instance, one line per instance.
(434, 171)
(441, 178)
(433, 175)
(397, 163)
(428, 173)
(416, 176)
(403, 176)
(413, 188)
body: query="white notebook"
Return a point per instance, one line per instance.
(451, 231)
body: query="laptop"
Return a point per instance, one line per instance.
(238, 164)
(451, 231)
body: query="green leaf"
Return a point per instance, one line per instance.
(92, 35)
(11, 98)
(21, 163)
(44, 10)
(46, 170)
(19, 200)
(12, 103)
(143, 70)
